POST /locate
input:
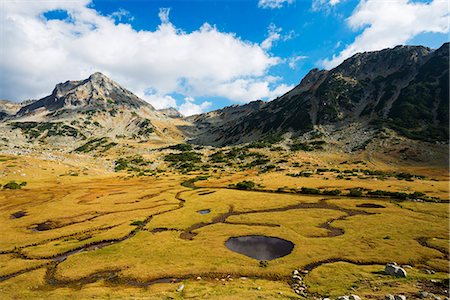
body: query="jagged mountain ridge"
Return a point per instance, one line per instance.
(404, 88)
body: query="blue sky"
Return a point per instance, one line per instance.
(163, 51)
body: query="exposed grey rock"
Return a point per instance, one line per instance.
(407, 267)
(343, 298)
(354, 297)
(180, 288)
(389, 297)
(423, 294)
(394, 270)
(399, 297)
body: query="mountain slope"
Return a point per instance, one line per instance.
(404, 88)
(97, 91)
(9, 108)
(77, 112)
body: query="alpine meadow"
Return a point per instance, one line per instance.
(271, 149)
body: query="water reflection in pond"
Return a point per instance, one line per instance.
(204, 211)
(260, 247)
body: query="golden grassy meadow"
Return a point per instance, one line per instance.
(113, 235)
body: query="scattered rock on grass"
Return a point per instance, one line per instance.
(180, 288)
(297, 283)
(351, 297)
(394, 270)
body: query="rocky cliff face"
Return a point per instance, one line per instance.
(404, 88)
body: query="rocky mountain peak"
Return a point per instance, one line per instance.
(97, 91)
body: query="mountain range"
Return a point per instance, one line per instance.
(403, 90)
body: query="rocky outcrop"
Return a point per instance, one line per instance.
(170, 112)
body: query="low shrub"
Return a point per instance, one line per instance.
(181, 147)
(245, 185)
(137, 223)
(310, 191)
(355, 192)
(331, 192)
(12, 185)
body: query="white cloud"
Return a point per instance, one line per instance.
(390, 23)
(243, 90)
(274, 35)
(164, 15)
(189, 108)
(38, 53)
(122, 14)
(292, 61)
(272, 4)
(160, 101)
(324, 4)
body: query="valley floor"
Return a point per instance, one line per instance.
(98, 233)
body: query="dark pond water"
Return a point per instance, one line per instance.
(18, 214)
(370, 205)
(260, 247)
(204, 211)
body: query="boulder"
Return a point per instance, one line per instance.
(423, 294)
(394, 270)
(389, 297)
(354, 297)
(343, 298)
(399, 297)
(180, 288)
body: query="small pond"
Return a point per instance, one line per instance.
(260, 247)
(18, 214)
(370, 205)
(204, 211)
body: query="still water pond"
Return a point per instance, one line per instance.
(260, 247)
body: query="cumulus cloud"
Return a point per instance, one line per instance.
(272, 4)
(160, 101)
(240, 90)
(189, 108)
(37, 53)
(389, 23)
